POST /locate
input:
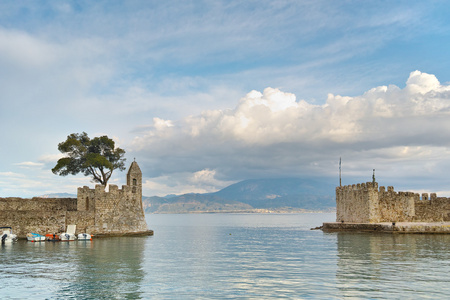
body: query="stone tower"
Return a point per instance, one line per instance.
(134, 180)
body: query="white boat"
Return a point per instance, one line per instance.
(7, 235)
(69, 235)
(84, 237)
(35, 237)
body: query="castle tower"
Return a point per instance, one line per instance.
(134, 180)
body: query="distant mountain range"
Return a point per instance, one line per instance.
(261, 195)
(254, 195)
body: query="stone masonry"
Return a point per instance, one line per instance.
(366, 203)
(94, 211)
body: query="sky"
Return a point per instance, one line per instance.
(204, 94)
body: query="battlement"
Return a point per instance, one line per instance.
(95, 211)
(88, 198)
(368, 203)
(358, 187)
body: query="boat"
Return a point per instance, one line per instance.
(69, 235)
(35, 237)
(52, 237)
(7, 236)
(84, 237)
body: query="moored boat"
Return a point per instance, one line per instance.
(84, 237)
(35, 237)
(69, 235)
(52, 237)
(7, 235)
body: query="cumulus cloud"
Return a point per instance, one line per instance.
(272, 133)
(203, 181)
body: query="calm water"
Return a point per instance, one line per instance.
(231, 256)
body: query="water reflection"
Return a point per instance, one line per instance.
(111, 269)
(229, 257)
(238, 256)
(384, 265)
(101, 269)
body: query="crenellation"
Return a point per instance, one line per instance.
(113, 188)
(366, 203)
(126, 189)
(94, 211)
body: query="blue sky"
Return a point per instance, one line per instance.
(207, 93)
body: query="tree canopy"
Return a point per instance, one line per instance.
(95, 157)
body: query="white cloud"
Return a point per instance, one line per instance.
(50, 158)
(271, 133)
(11, 175)
(203, 181)
(29, 164)
(422, 83)
(65, 70)
(275, 117)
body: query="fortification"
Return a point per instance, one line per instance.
(365, 206)
(95, 211)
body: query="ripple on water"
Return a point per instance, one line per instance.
(231, 257)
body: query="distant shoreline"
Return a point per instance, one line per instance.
(248, 211)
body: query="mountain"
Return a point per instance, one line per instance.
(192, 203)
(282, 194)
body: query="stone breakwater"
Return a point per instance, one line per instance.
(402, 227)
(94, 211)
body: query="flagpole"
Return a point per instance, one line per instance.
(340, 178)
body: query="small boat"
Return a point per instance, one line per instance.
(7, 236)
(84, 237)
(35, 237)
(52, 237)
(69, 235)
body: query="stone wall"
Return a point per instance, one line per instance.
(95, 211)
(365, 203)
(396, 207)
(46, 204)
(357, 203)
(433, 209)
(25, 221)
(116, 211)
(84, 220)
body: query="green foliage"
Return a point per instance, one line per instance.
(95, 157)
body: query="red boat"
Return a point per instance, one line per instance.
(52, 237)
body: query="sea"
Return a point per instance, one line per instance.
(231, 256)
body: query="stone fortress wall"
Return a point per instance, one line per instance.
(94, 211)
(366, 203)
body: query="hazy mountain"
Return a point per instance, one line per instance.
(192, 203)
(284, 194)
